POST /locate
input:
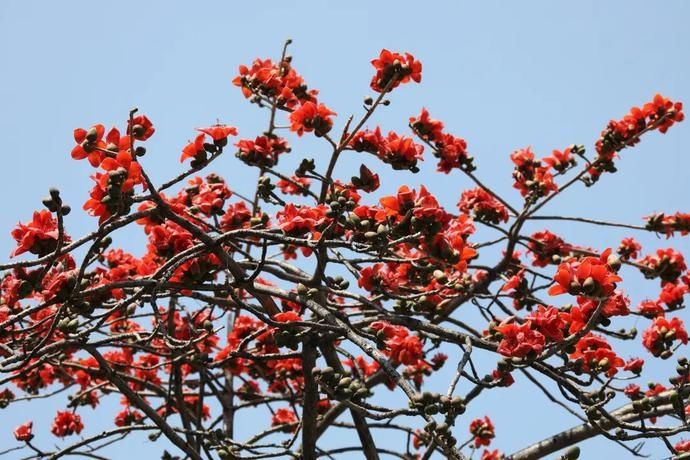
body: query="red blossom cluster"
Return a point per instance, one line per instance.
(399, 151)
(450, 150)
(659, 114)
(532, 179)
(483, 206)
(547, 248)
(238, 302)
(269, 81)
(393, 69)
(661, 335)
(483, 431)
(669, 225)
(198, 149)
(264, 151)
(590, 277)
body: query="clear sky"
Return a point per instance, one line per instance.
(503, 75)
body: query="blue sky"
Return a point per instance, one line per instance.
(502, 75)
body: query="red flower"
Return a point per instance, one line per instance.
(287, 317)
(369, 141)
(561, 160)
(659, 337)
(520, 340)
(547, 248)
(263, 151)
(672, 295)
(426, 127)
(393, 69)
(236, 216)
(363, 367)
(127, 417)
(483, 206)
(590, 277)
(402, 152)
(452, 153)
(634, 365)
(194, 150)
(548, 321)
(38, 236)
(503, 379)
(284, 416)
(682, 446)
(66, 423)
(219, 133)
(405, 349)
(483, 431)
(311, 117)
(492, 455)
(633, 391)
(294, 186)
(402, 347)
(650, 308)
(399, 151)
(298, 221)
(23, 432)
(140, 127)
(628, 249)
(595, 355)
(88, 141)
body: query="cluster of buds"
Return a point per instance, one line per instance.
(433, 403)
(644, 404)
(307, 292)
(340, 385)
(421, 304)
(307, 165)
(68, 325)
(116, 200)
(337, 282)
(6, 397)
(259, 221)
(442, 431)
(683, 371)
(339, 202)
(367, 230)
(265, 188)
(54, 202)
(287, 339)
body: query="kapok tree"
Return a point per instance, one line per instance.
(312, 299)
